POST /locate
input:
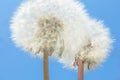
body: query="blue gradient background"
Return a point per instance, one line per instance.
(15, 64)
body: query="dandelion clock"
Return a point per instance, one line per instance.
(39, 26)
(87, 45)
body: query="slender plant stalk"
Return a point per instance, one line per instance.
(45, 62)
(81, 70)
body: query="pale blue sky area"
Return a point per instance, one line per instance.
(16, 64)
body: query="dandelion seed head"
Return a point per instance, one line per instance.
(94, 48)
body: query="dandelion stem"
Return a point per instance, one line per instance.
(45, 62)
(81, 70)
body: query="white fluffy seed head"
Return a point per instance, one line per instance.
(64, 27)
(93, 49)
(28, 25)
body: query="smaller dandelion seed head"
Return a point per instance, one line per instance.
(47, 33)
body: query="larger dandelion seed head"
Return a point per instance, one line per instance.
(41, 24)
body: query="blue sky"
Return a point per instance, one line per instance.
(16, 64)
